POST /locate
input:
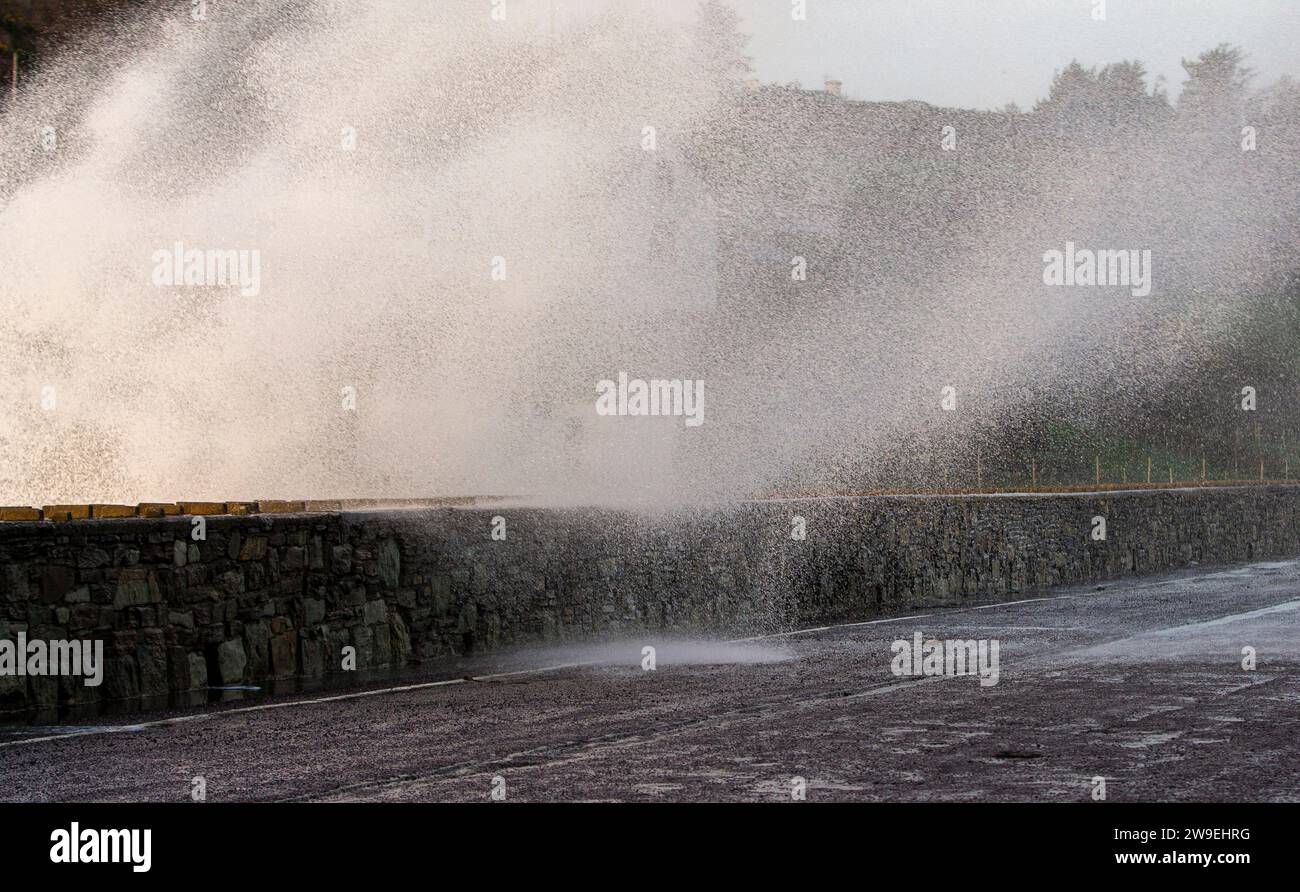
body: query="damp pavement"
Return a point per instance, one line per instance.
(1140, 682)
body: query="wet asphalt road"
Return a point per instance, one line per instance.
(1140, 682)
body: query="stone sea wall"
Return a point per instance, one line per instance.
(278, 596)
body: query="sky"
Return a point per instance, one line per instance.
(986, 53)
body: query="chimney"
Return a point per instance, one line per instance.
(833, 87)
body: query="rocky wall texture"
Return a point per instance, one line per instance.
(281, 595)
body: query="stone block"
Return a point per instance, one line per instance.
(313, 656)
(157, 509)
(313, 611)
(341, 559)
(295, 559)
(151, 663)
(284, 655)
(401, 640)
(363, 639)
(253, 549)
(56, 582)
(65, 512)
(198, 671)
(204, 508)
(375, 612)
(135, 586)
(382, 644)
(231, 662)
(390, 563)
(315, 554)
(112, 510)
(279, 506)
(257, 637)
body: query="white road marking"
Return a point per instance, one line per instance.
(262, 707)
(1026, 628)
(1026, 601)
(1284, 607)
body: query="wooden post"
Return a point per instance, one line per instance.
(1033, 473)
(979, 472)
(1171, 473)
(1097, 468)
(1148, 469)
(1202, 467)
(1261, 469)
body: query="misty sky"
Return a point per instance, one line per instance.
(986, 53)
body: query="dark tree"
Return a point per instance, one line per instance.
(1215, 90)
(721, 44)
(1086, 98)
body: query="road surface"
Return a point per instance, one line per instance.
(1140, 682)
